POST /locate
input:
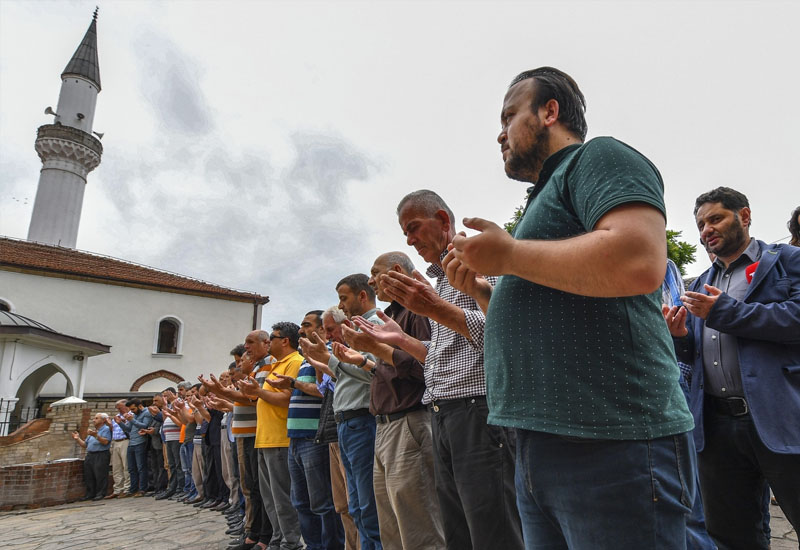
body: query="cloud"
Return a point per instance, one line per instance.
(169, 80)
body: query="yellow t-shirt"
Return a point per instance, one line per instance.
(271, 424)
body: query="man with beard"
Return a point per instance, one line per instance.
(742, 336)
(578, 358)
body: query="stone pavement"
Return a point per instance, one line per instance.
(165, 525)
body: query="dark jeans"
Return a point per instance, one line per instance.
(474, 470)
(261, 528)
(309, 467)
(158, 475)
(357, 445)
(221, 491)
(137, 467)
(593, 494)
(176, 480)
(95, 473)
(735, 468)
(187, 448)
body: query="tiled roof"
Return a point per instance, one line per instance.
(84, 61)
(44, 259)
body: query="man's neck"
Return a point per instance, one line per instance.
(728, 260)
(284, 356)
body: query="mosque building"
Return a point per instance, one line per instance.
(75, 323)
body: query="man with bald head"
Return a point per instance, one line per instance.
(403, 469)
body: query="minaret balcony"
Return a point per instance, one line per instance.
(59, 131)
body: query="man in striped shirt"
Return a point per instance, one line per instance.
(309, 462)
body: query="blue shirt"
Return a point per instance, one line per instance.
(93, 445)
(139, 421)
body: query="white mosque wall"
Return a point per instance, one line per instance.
(127, 319)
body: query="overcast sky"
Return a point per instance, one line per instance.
(265, 145)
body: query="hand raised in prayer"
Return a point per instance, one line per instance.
(315, 348)
(463, 278)
(414, 293)
(387, 333)
(490, 252)
(347, 355)
(283, 382)
(360, 341)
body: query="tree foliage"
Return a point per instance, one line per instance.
(680, 252)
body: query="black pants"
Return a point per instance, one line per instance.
(158, 475)
(261, 528)
(95, 473)
(176, 481)
(474, 467)
(735, 468)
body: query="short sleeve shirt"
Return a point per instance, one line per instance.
(271, 428)
(601, 368)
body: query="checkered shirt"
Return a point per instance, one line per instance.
(454, 365)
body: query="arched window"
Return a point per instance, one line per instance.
(169, 336)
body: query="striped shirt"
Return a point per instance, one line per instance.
(303, 419)
(245, 418)
(171, 431)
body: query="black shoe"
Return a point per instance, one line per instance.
(87, 497)
(221, 505)
(233, 520)
(203, 503)
(243, 546)
(162, 496)
(176, 496)
(98, 497)
(194, 500)
(149, 493)
(237, 529)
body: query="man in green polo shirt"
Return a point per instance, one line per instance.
(578, 357)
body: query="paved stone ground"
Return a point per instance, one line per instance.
(165, 525)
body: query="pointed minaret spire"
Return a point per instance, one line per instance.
(68, 149)
(84, 61)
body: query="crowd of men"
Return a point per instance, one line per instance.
(552, 389)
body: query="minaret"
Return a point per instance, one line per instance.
(67, 149)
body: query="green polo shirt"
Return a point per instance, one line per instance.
(556, 362)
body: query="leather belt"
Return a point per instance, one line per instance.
(450, 404)
(386, 418)
(733, 406)
(347, 415)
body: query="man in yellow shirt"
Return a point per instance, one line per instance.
(272, 441)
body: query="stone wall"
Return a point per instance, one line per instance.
(34, 485)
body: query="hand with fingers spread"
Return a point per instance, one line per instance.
(466, 280)
(315, 348)
(700, 304)
(675, 317)
(283, 382)
(387, 333)
(359, 341)
(347, 355)
(320, 367)
(249, 387)
(414, 293)
(490, 252)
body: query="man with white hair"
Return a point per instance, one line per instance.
(95, 464)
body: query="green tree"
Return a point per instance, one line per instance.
(680, 252)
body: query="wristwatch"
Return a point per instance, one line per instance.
(292, 382)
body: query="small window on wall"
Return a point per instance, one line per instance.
(168, 336)
(4, 306)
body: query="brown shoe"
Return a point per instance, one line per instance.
(112, 495)
(124, 495)
(139, 494)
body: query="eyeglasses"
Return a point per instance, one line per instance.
(273, 336)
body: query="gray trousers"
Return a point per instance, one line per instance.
(275, 485)
(408, 511)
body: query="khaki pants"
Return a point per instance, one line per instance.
(228, 475)
(119, 466)
(339, 488)
(198, 465)
(408, 512)
(248, 507)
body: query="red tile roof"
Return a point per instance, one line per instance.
(57, 261)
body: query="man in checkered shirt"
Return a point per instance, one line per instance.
(473, 461)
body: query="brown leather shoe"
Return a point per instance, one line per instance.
(112, 495)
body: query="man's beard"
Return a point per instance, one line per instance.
(732, 239)
(526, 165)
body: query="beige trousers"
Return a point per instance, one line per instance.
(228, 475)
(197, 469)
(408, 511)
(339, 488)
(119, 466)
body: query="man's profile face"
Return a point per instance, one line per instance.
(225, 379)
(277, 344)
(378, 268)
(723, 232)
(255, 347)
(121, 408)
(99, 420)
(348, 301)
(308, 325)
(158, 401)
(427, 234)
(333, 330)
(523, 138)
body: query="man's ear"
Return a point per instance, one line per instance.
(396, 267)
(548, 113)
(744, 214)
(443, 217)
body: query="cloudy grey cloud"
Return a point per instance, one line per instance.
(169, 80)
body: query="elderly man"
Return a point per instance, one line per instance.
(473, 460)
(403, 471)
(742, 336)
(95, 464)
(578, 358)
(355, 424)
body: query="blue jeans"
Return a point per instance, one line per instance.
(187, 447)
(309, 468)
(357, 445)
(697, 537)
(137, 467)
(592, 494)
